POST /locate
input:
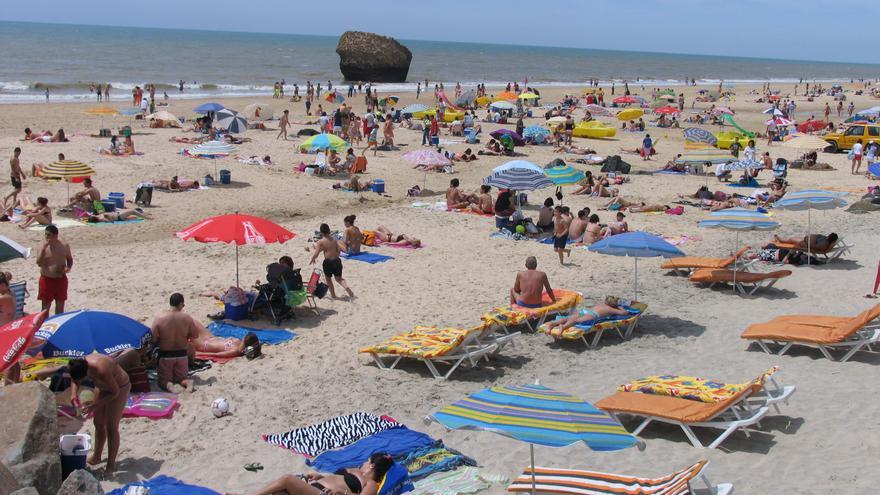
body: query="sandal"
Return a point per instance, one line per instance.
(253, 466)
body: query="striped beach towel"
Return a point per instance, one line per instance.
(335, 433)
(571, 481)
(463, 480)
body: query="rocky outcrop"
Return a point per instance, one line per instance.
(81, 482)
(8, 483)
(371, 57)
(29, 436)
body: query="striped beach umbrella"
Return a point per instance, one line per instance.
(636, 245)
(323, 142)
(564, 175)
(414, 108)
(232, 123)
(503, 105)
(466, 98)
(738, 219)
(518, 179)
(698, 135)
(426, 157)
(745, 164)
(537, 415)
(10, 250)
(536, 133)
(709, 155)
(66, 170)
(811, 199)
(518, 164)
(212, 149)
(596, 109)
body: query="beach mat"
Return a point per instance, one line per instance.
(117, 222)
(154, 405)
(752, 183)
(668, 172)
(166, 485)
(467, 479)
(874, 169)
(394, 441)
(371, 258)
(61, 223)
(266, 336)
(341, 431)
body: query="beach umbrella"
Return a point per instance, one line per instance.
(597, 109)
(224, 113)
(323, 142)
(536, 415)
(503, 105)
(668, 97)
(334, 97)
(697, 135)
(875, 110)
(506, 95)
(745, 164)
(518, 164)
(389, 100)
(80, 333)
(66, 170)
(811, 199)
(517, 139)
(804, 142)
(518, 179)
(780, 121)
(722, 110)
(564, 175)
(208, 107)
(528, 96)
(774, 111)
(812, 126)
(414, 108)
(212, 150)
(667, 110)
(426, 157)
(708, 155)
(625, 100)
(163, 115)
(466, 98)
(10, 250)
(234, 124)
(536, 133)
(102, 112)
(130, 112)
(258, 111)
(738, 220)
(16, 337)
(238, 229)
(636, 245)
(629, 114)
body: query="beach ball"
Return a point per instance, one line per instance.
(220, 407)
(520, 229)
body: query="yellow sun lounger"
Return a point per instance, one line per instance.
(507, 316)
(624, 327)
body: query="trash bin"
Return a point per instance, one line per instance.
(74, 450)
(225, 176)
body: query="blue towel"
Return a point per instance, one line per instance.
(371, 258)
(589, 324)
(395, 441)
(669, 172)
(874, 168)
(222, 329)
(166, 485)
(117, 222)
(550, 240)
(752, 183)
(396, 481)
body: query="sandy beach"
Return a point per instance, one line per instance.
(821, 442)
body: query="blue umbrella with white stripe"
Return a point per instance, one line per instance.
(811, 199)
(518, 179)
(518, 164)
(80, 333)
(697, 135)
(738, 219)
(536, 133)
(637, 245)
(212, 149)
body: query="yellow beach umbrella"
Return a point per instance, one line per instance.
(482, 101)
(66, 170)
(630, 113)
(102, 112)
(528, 96)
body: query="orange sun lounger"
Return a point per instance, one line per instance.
(687, 264)
(823, 332)
(739, 279)
(833, 252)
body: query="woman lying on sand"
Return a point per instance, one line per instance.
(383, 234)
(565, 148)
(635, 206)
(602, 310)
(116, 216)
(353, 184)
(45, 136)
(362, 481)
(209, 346)
(175, 184)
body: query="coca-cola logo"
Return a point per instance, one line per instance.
(13, 350)
(251, 234)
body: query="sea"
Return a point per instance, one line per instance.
(67, 59)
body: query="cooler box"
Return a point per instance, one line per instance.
(435, 140)
(378, 186)
(74, 450)
(235, 313)
(225, 176)
(109, 205)
(118, 197)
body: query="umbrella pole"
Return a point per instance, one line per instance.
(809, 229)
(532, 453)
(735, 261)
(236, 265)
(636, 283)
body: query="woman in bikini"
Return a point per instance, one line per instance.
(385, 235)
(362, 481)
(220, 347)
(116, 216)
(611, 307)
(594, 231)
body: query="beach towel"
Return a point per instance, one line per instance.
(678, 210)
(669, 172)
(464, 480)
(428, 460)
(334, 433)
(212, 358)
(692, 388)
(396, 481)
(266, 336)
(61, 223)
(371, 258)
(166, 485)
(154, 405)
(117, 222)
(752, 183)
(394, 441)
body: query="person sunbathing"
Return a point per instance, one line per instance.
(361, 481)
(385, 235)
(35, 136)
(593, 231)
(354, 184)
(617, 227)
(86, 198)
(816, 242)
(39, 213)
(529, 286)
(575, 150)
(645, 208)
(493, 148)
(725, 204)
(585, 186)
(120, 215)
(211, 346)
(352, 237)
(672, 166)
(611, 307)
(189, 140)
(484, 203)
(702, 193)
(602, 189)
(467, 156)
(175, 184)
(457, 200)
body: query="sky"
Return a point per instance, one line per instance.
(786, 29)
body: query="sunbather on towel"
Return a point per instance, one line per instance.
(353, 184)
(175, 184)
(362, 481)
(603, 310)
(385, 235)
(40, 213)
(352, 237)
(817, 242)
(220, 347)
(116, 216)
(455, 199)
(484, 203)
(529, 286)
(617, 227)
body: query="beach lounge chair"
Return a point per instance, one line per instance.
(740, 280)
(687, 264)
(20, 292)
(513, 315)
(835, 251)
(431, 345)
(623, 325)
(826, 333)
(577, 482)
(728, 415)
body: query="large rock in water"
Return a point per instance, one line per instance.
(29, 436)
(371, 57)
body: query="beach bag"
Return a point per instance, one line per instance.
(296, 282)
(320, 290)
(144, 195)
(616, 164)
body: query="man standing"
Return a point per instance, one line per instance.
(561, 224)
(529, 286)
(332, 264)
(285, 122)
(172, 330)
(55, 262)
(418, 90)
(16, 176)
(113, 386)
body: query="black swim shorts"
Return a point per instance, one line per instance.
(560, 242)
(16, 182)
(333, 268)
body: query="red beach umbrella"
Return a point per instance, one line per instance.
(625, 99)
(812, 126)
(667, 110)
(16, 336)
(239, 229)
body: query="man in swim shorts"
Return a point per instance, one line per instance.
(16, 176)
(561, 224)
(529, 286)
(55, 261)
(172, 330)
(332, 264)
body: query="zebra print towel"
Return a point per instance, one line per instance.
(313, 440)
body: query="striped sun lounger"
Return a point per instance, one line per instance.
(575, 482)
(623, 325)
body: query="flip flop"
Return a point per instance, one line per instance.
(253, 467)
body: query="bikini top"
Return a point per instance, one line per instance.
(352, 481)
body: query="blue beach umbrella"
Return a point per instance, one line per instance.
(83, 332)
(518, 164)
(537, 415)
(636, 245)
(536, 133)
(10, 250)
(414, 108)
(697, 135)
(208, 107)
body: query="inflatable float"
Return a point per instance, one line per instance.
(448, 115)
(630, 113)
(594, 129)
(726, 138)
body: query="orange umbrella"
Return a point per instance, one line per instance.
(506, 95)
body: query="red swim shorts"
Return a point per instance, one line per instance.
(52, 289)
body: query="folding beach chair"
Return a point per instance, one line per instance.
(577, 482)
(311, 289)
(835, 251)
(745, 282)
(20, 292)
(825, 333)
